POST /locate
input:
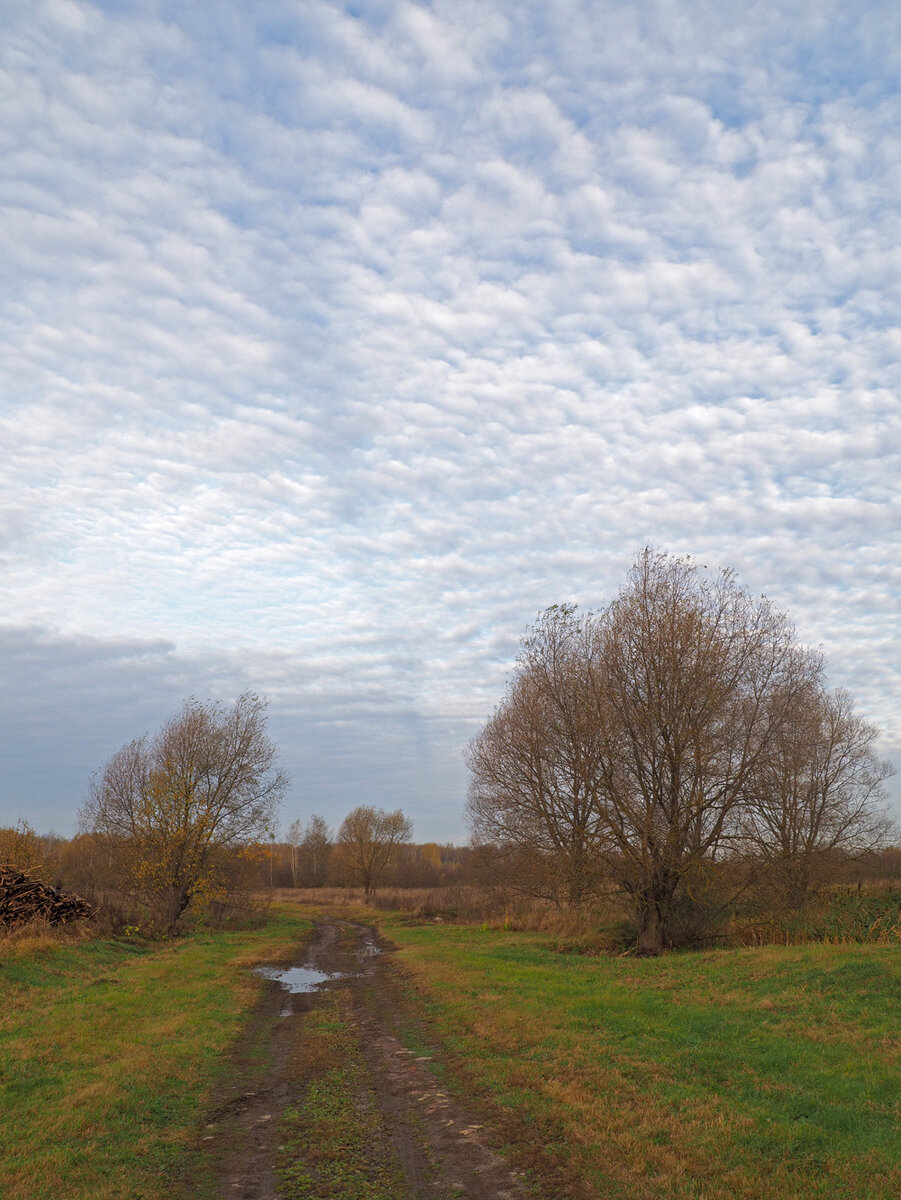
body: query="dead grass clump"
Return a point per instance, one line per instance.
(838, 916)
(327, 897)
(38, 936)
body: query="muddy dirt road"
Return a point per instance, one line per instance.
(334, 1093)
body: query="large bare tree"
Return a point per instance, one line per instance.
(629, 740)
(695, 680)
(171, 804)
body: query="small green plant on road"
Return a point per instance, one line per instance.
(333, 1142)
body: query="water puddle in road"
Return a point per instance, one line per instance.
(296, 979)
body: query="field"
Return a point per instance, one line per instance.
(766, 1073)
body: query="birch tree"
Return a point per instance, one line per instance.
(316, 848)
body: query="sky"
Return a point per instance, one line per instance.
(338, 341)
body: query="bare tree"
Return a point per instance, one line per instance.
(696, 678)
(367, 839)
(316, 848)
(172, 804)
(817, 790)
(536, 766)
(629, 739)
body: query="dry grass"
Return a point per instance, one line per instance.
(837, 916)
(594, 927)
(39, 937)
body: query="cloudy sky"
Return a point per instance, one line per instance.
(337, 341)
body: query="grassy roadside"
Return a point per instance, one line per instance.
(769, 1074)
(107, 1051)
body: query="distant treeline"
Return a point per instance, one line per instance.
(450, 882)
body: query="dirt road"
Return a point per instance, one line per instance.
(335, 1093)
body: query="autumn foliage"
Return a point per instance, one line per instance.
(172, 810)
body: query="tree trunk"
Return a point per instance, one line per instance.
(650, 933)
(579, 877)
(178, 900)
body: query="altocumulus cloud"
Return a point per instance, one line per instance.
(340, 340)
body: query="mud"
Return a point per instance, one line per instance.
(444, 1150)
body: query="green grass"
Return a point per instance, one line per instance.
(107, 1053)
(332, 1142)
(765, 1073)
(768, 1074)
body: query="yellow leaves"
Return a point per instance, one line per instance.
(21, 848)
(431, 855)
(175, 804)
(254, 852)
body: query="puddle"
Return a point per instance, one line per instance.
(295, 979)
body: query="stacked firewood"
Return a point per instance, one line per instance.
(24, 898)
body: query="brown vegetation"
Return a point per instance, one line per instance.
(367, 841)
(22, 848)
(671, 771)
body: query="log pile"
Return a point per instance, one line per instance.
(24, 898)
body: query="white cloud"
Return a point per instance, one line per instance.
(350, 342)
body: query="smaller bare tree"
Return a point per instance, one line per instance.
(535, 793)
(316, 848)
(817, 790)
(367, 840)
